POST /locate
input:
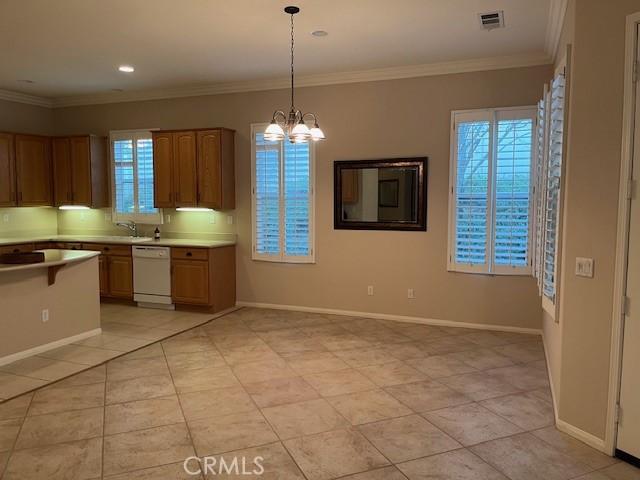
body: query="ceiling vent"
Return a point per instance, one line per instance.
(492, 20)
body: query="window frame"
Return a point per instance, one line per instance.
(282, 257)
(137, 217)
(493, 116)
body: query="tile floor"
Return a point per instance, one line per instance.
(317, 396)
(124, 329)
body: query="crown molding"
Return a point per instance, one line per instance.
(10, 96)
(557, 12)
(392, 73)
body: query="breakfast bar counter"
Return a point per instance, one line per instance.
(48, 304)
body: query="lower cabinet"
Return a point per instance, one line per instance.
(204, 277)
(120, 276)
(116, 269)
(20, 248)
(190, 281)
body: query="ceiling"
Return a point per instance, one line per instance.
(72, 48)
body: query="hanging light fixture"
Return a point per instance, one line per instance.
(295, 122)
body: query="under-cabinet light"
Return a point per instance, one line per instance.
(73, 207)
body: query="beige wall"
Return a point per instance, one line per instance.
(591, 201)
(369, 120)
(23, 118)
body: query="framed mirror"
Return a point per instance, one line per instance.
(381, 194)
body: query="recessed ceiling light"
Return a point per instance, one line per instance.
(319, 33)
(126, 68)
(24, 80)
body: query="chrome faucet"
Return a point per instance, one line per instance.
(130, 225)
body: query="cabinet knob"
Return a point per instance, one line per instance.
(106, 249)
(16, 250)
(189, 254)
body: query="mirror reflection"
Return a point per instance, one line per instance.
(379, 194)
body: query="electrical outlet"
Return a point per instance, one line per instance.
(45, 315)
(584, 267)
(229, 219)
(411, 293)
(370, 290)
(107, 217)
(167, 217)
(5, 218)
(212, 218)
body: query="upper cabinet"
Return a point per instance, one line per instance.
(33, 170)
(81, 171)
(7, 167)
(194, 169)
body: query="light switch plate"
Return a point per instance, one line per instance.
(5, 218)
(584, 267)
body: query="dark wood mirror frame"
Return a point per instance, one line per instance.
(420, 163)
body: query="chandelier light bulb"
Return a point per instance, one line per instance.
(274, 132)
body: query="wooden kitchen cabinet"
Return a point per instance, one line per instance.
(185, 174)
(190, 281)
(81, 171)
(216, 170)
(103, 274)
(116, 269)
(19, 248)
(7, 171)
(204, 277)
(163, 170)
(194, 168)
(120, 276)
(33, 170)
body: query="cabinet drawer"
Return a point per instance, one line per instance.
(45, 245)
(23, 247)
(190, 253)
(109, 249)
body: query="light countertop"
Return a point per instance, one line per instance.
(126, 240)
(52, 258)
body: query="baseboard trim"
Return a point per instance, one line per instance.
(392, 317)
(14, 357)
(585, 437)
(554, 400)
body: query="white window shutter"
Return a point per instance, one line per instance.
(297, 195)
(553, 184)
(541, 181)
(514, 154)
(266, 193)
(471, 193)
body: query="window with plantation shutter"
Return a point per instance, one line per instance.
(540, 189)
(282, 191)
(553, 184)
(490, 208)
(132, 177)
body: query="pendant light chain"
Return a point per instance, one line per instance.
(292, 75)
(294, 123)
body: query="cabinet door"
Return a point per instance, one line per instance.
(163, 196)
(184, 169)
(103, 272)
(7, 170)
(33, 170)
(209, 169)
(120, 277)
(190, 282)
(81, 170)
(21, 248)
(62, 188)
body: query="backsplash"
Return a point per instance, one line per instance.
(28, 221)
(205, 225)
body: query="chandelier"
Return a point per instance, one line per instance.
(295, 122)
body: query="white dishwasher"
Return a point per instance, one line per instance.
(152, 276)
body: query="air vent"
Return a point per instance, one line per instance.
(492, 20)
